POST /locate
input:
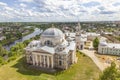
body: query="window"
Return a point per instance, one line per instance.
(60, 57)
(48, 43)
(60, 63)
(30, 58)
(61, 49)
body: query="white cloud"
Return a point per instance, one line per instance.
(29, 1)
(60, 10)
(3, 4)
(23, 5)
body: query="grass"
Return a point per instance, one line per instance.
(85, 69)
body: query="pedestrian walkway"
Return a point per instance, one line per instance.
(91, 54)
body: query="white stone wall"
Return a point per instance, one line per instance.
(107, 50)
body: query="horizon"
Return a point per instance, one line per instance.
(59, 11)
(57, 21)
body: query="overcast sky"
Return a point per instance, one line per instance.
(59, 10)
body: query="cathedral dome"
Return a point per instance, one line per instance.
(52, 32)
(52, 37)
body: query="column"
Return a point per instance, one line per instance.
(52, 62)
(48, 61)
(36, 59)
(44, 61)
(40, 60)
(33, 59)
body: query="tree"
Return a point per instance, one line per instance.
(109, 73)
(1, 59)
(26, 42)
(8, 36)
(95, 43)
(19, 35)
(3, 51)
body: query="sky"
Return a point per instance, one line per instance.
(59, 10)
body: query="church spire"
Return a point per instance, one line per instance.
(78, 29)
(79, 26)
(53, 26)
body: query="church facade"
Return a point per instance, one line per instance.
(53, 50)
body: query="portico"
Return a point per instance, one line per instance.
(43, 60)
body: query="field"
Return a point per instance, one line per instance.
(84, 69)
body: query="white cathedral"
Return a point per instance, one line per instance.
(53, 50)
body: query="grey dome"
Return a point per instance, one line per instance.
(103, 43)
(52, 32)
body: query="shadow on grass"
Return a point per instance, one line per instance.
(26, 69)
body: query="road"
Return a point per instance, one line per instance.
(91, 54)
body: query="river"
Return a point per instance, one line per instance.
(27, 37)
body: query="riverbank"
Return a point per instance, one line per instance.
(15, 51)
(7, 42)
(36, 31)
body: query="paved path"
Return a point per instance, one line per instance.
(91, 54)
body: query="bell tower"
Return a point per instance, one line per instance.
(78, 29)
(79, 43)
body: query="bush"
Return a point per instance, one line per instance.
(1, 60)
(11, 58)
(84, 55)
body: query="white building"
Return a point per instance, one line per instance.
(92, 35)
(52, 50)
(109, 48)
(2, 38)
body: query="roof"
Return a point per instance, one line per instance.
(48, 49)
(103, 43)
(53, 32)
(71, 45)
(113, 45)
(110, 45)
(92, 34)
(70, 34)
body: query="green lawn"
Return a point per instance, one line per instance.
(85, 69)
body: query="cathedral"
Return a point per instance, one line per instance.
(53, 49)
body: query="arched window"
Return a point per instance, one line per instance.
(60, 63)
(48, 43)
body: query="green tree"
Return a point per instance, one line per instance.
(3, 51)
(109, 73)
(26, 42)
(1, 60)
(19, 35)
(95, 43)
(17, 50)
(8, 36)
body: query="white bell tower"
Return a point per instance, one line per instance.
(78, 29)
(79, 43)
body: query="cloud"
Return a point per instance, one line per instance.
(23, 5)
(91, 4)
(107, 12)
(60, 10)
(3, 4)
(116, 4)
(28, 1)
